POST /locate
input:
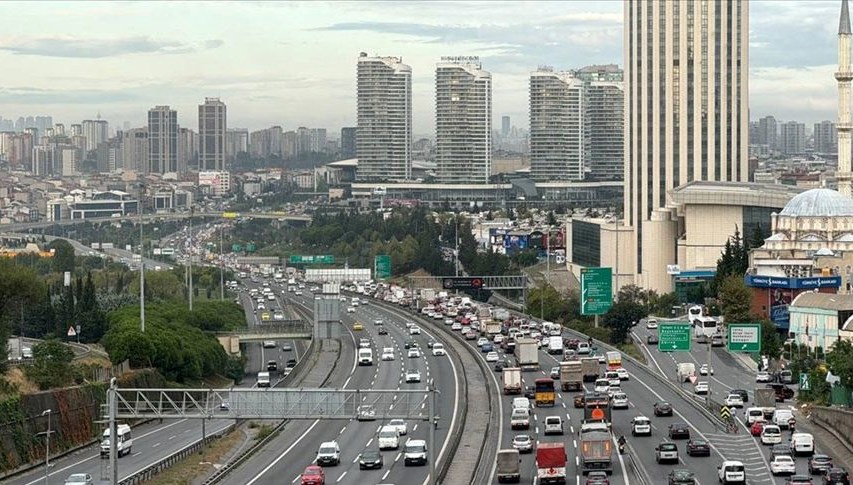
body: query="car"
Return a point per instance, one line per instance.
(819, 463)
(269, 344)
(224, 405)
(438, 350)
(679, 430)
(652, 339)
(313, 475)
(555, 373)
(499, 366)
(702, 388)
(364, 343)
(836, 476)
(763, 376)
(329, 453)
(409, 344)
(415, 453)
(578, 401)
(771, 434)
(705, 370)
(623, 374)
(290, 364)
(651, 324)
(413, 376)
(414, 330)
(492, 357)
(742, 393)
(802, 480)
(487, 347)
(734, 401)
(523, 443)
(781, 449)
(400, 424)
(530, 392)
(471, 335)
(602, 385)
(388, 353)
(756, 427)
(619, 400)
(357, 327)
(456, 326)
(613, 377)
(378, 321)
(680, 476)
(261, 306)
(382, 330)
(272, 366)
(365, 412)
(414, 353)
(597, 478)
(286, 347)
(553, 425)
(79, 479)
(482, 341)
(666, 451)
(641, 425)
(698, 447)
(370, 459)
(350, 309)
(602, 359)
(663, 408)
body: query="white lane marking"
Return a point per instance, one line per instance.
(387, 472)
(155, 445)
(342, 476)
(283, 454)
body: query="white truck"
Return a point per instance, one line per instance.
(571, 376)
(263, 379)
(500, 314)
(491, 327)
(685, 371)
(555, 345)
(765, 398)
(512, 380)
(527, 353)
(124, 443)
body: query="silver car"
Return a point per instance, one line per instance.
(523, 443)
(79, 479)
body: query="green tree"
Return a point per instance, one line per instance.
(51, 364)
(63, 255)
(771, 344)
(735, 298)
(160, 286)
(734, 260)
(840, 360)
(621, 317)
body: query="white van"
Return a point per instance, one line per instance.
(123, 444)
(781, 417)
(521, 402)
(731, 472)
(389, 438)
(263, 379)
(365, 357)
(802, 443)
(754, 414)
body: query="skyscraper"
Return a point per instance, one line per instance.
(506, 125)
(236, 141)
(825, 137)
(604, 120)
(384, 118)
(792, 138)
(558, 141)
(348, 142)
(96, 132)
(162, 140)
(686, 110)
(212, 124)
(768, 132)
(463, 121)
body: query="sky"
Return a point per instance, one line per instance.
(293, 63)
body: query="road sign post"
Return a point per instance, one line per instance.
(382, 266)
(674, 337)
(805, 384)
(744, 337)
(725, 412)
(316, 259)
(462, 283)
(596, 290)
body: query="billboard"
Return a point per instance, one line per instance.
(537, 240)
(516, 242)
(557, 239)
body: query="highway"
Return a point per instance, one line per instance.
(300, 443)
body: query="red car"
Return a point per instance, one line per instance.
(756, 428)
(313, 475)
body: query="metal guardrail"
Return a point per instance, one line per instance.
(636, 466)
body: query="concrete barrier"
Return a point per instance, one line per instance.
(836, 421)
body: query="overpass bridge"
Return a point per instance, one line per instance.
(280, 330)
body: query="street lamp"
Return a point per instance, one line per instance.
(141, 261)
(47, 412)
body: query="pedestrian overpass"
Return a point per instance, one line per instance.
(279, 330)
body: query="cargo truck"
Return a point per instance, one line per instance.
(685, 371)
(527, 353)
(571, 376)
(500, 314)
(509, 466)
(589, 368)
(491, 327)
(596, 450)
(512, 380)
(551, 463)
(765, 398)
(614, 360)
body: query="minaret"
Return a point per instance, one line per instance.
(843, 76)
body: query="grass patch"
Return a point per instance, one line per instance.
(633, 350)
(264, 431)
(199, 465)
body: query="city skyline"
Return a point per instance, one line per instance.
(125, 69)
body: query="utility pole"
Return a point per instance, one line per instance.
(456, 254)
(141, 261)
(190, 250)
(47, 412)
(221, 269)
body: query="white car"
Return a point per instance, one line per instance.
(414, 353)
(702, 388)
(623, 374)
(734, 401)
(456, 326)
(350, 309)
(771, 435)
(413, 376)
(602, 385)
(782, 464)
(414, 330)
(438, 349)
(763, 376)
(492, 357)
(448, 321)
(651, 324)
(269, 344)
(583, 348)
(401, 426)
(641, 425)
(619, 401)
(364, 343)
(261, 306)
(388, 353)
(498, 339)
(523, 443)
(613, 390)
(482, 341)
(706, 370)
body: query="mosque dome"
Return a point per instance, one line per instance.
(818, 203)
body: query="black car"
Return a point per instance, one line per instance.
(272, 366)
(410, 343)
(799, 480)
(530, 392)
(836, 476)
(742, 393)
(291, 363)
(679, 430)
(819, 464)
(781, 449)
(499, 366)
(663, 408)
(382, 330)
(680, 476)
(782, 391)
(697, 447)
(652, 340)
(370, 459)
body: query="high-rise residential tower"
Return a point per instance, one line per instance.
(212, 124)
(686, 115)
(825, 137)
(96, 132)
(768, 132)
(843, 77)
(792, 138)
(558, 141)
(605, 121)
(384, 118)
(463, 121)
(162, 140)
(348, 142)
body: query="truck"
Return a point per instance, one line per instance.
(589, 369)
(263, 379)
(555, 345)
(500, 314)
(527, 353)
(596, 451)
(571, 375)
(509, 466)
(614, 360)
(685, 371)
(492, 327)
(765, 398)
(551, 463)
(512, 380)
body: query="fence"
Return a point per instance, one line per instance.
(101, 374)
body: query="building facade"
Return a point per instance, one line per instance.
(96, 132)
(825, 137)
(605, 121)
(558, 140)
(162, 140)
(236, 141)
(134, 146)
(348, 149)
(463, 121)
(768, 133)
(384, 119)
(686, 114)
(792, 138)
(212, 126)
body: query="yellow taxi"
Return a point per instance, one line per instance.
(357, 326)
(265, 316)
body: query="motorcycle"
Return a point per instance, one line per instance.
(621, 446)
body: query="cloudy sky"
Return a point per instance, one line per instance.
(293, 64)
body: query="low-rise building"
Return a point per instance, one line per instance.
(820, 319)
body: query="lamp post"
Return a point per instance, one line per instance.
(190, 249)
(141, 261)
(47, 412)
(221, 268)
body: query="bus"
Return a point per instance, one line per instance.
(704, 328)
(694, 312)
(544, 392)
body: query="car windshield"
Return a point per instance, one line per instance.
(699, 443)
(415, 448)
(682, 474)
(667, 447)
(522, 438)
(327, 450)
(77, 477)
(387, 434)
(734, 468)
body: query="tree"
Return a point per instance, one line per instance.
(840, 360)
(159, 286)
(735, 298)
(51, 364)
(621, 317)
(734, 260)
(63, 255)
(771, 344)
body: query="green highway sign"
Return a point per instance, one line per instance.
(805, 385)
(745, 337)
(674, 337)
(382, 266)
(321, 259)
(596, 290)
